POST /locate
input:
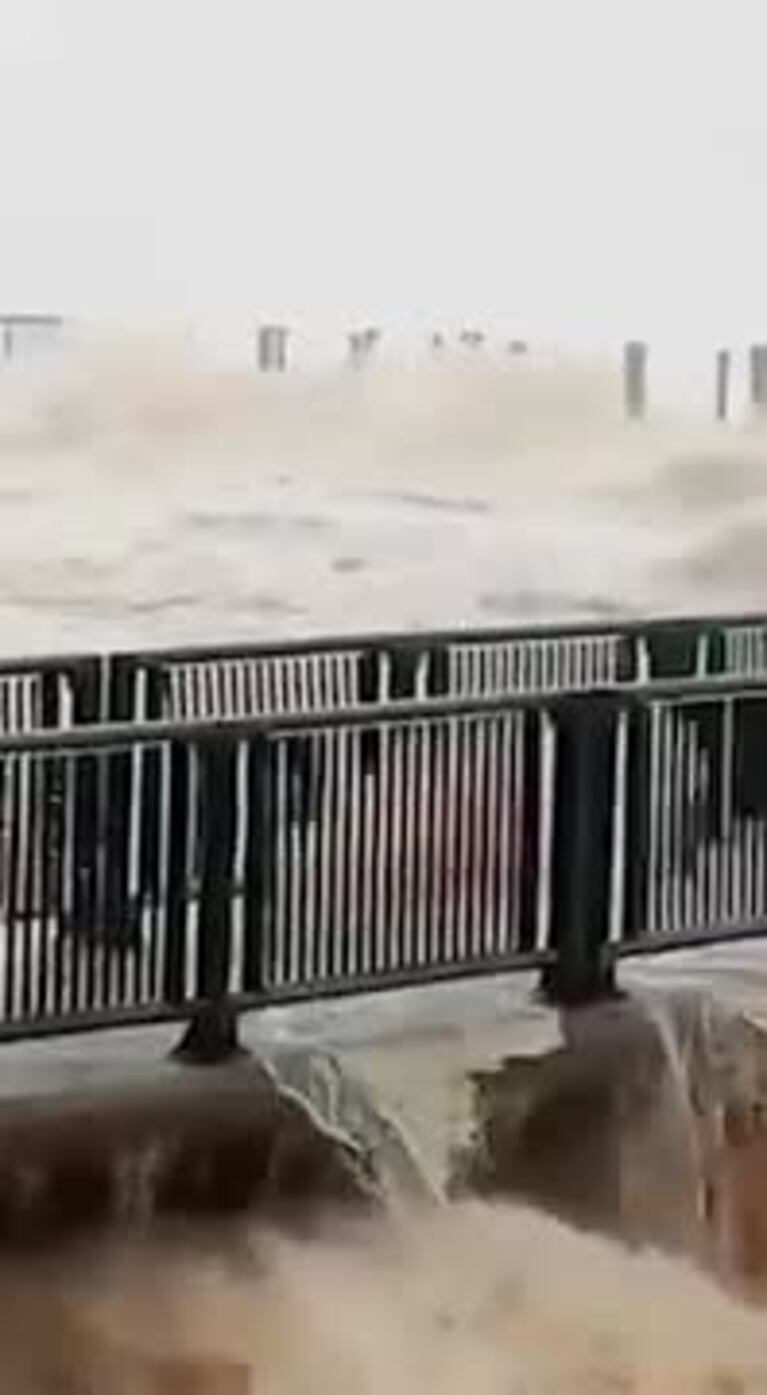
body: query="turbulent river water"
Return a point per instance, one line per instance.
(148, 497)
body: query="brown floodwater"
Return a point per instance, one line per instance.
(601, 1227)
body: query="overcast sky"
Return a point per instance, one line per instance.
(584, 168)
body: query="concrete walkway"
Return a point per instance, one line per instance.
(484, 1014)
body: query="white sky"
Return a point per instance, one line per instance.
(580, 168)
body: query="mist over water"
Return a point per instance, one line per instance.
(492, 1301)
(149, 497)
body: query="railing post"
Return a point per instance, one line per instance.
(690, 651)
(259, 857)
(528, 824)
(211, 1036)
(749, 775)
(438, 671)
(371, 689)
(704, 819)
(369, 675)
(87, 708)
(685, 651)
(149, 769)
(673, 651)
(399, 672)
(177, 880)
(404, 664)
(639, 793)
(586, 726)
(50, 698)
(121, 926)
(389, 675)
(51, 784)
(627, 665)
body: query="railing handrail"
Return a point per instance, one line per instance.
(126, 735)
(462, 634)
(308, 645)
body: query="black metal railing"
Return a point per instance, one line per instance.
(324, 675)
(336, 675)
(169, 869)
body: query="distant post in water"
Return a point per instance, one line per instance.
(21, 333)
(757, 362)
(472, 339)
(517, 347)
(722, 391)
(272, 348)
(362, 346)
(635, 379)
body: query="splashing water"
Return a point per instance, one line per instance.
(486, 1296)
(489, 1300)
(675, 1130)
(148, 497)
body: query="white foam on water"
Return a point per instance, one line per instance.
(150, 497)
(496, 1301)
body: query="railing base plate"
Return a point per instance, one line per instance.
(211, 1038)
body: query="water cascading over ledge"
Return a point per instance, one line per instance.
(643, 1124)
(184, 1151)
(648, 1123)
(644, 1121)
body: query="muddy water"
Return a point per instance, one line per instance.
(148, 497)
(480, 1299)
(639, 1125)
